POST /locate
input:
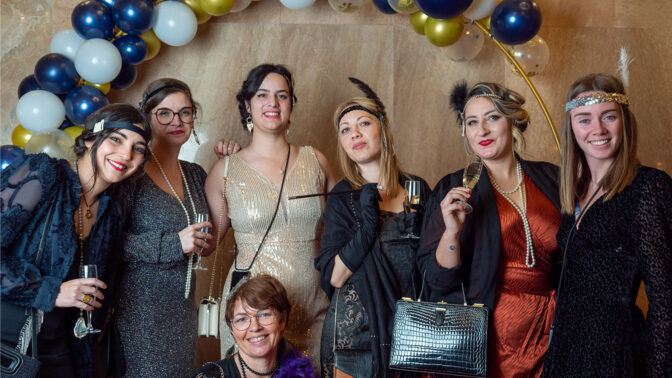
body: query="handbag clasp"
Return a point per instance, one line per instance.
(439, 315)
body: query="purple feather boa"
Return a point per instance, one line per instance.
(295, 365)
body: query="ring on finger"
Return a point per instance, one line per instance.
(87, 299)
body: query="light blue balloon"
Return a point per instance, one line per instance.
(66, 42)
(175, 23)
(39, 111)
(98, 61)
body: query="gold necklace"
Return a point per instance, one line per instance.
(187, 285)
(80, 325)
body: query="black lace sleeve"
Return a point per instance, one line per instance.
(653, 221)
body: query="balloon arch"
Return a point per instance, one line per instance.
(110, 38)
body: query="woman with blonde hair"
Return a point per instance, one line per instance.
(366, 264)
(617, 231)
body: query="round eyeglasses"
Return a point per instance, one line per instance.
(165, 116)
(264, 318)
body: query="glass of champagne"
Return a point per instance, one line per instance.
(89, 271)
(202, 217)
(412, 201)
(472, 172)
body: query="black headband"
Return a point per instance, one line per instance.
(100, 125)
(358, 107)
(157, 90)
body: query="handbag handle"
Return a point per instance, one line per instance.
(422, 289)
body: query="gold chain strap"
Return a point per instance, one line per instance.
(219, 233)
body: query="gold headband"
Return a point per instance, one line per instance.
(597, 98)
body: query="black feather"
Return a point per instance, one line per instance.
(368, 92)
(458, 97)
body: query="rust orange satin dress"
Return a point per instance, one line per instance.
(525, 298)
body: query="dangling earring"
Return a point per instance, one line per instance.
(249, 124)
(196, 136)
(287, 132)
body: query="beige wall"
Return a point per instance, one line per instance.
(412, 77)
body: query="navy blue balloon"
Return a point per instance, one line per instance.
(83, 101)
(515, 21)
(133, 16)
(109, 3)
(9, 153)
(443, 9)
(92, 19)
(29, 83)
(384, 6)
(65, 124)
(126, 77)
(132, 48)
(56, 73)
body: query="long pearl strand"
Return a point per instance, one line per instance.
(529, 253)
(187, 285)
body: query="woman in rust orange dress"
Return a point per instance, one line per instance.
(505, 251)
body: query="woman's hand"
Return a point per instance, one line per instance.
(74, 292)
(226, 147)
(193, 240)
(368, 200)
(453, 211)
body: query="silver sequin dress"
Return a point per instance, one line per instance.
(291, 244)
(156, 323)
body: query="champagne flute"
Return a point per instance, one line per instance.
(89, 271)
(470, 178)
(202, 217)
(412, 201)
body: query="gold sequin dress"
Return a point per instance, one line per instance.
(291, 244)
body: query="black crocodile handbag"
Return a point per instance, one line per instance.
(440, 338)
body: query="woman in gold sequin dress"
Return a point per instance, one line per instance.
(250, 182)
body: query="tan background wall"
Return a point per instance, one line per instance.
(413, 77)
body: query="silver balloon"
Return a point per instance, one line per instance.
(346, 6)
(468, 46)
(55, 143)
(403, 6)
(532, 55)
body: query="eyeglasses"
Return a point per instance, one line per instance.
(264, 318)
(165, 116)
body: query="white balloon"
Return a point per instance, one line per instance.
(480, 9)
(346, 6)
(297, 4)
(39, 111)
(239, 5)
(66, 42)
(403, 6)
(532, 55)
(468, 46)
(175, 23)
(98, 61)
(55, 143)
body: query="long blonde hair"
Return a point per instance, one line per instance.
(389, 166)
(575, 175)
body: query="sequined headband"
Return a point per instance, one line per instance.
(100, 125)
(597, 98)
(489, 95)
(157, 90)
(356, 107)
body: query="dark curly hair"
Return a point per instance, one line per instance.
(253, 81)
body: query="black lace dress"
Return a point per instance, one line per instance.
(598, 329)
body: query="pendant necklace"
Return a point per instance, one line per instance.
(80, 325)
(529, 253)
(187, 285)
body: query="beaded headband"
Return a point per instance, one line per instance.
(100, 125)
(489, 95)
(356, 107)
(597, 98)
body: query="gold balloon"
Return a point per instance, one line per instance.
(74, 131)
(217, 7)
(153, 43)
(201, 15)
(418, 20)
(105, 88)
(444, 32)
(20, 136)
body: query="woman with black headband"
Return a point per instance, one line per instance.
(249, 191)
(156, 316)
(504, 252)
(58, 216)
(367, 261)
(617, 232)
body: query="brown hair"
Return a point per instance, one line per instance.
(159, 89)
(574, 173)
(389, 165)
(262, 292)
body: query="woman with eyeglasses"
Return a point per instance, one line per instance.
(156, 316)
(257, 312)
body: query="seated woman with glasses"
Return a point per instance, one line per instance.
(156, 316)
(257, 312)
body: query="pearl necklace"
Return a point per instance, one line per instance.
(187, 285)
(529, 253)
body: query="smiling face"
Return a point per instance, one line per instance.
(119, 155)
(270, 106)
(598, 130)
(359, 136)
(487, 130)
(257, 341)
(177, 131)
